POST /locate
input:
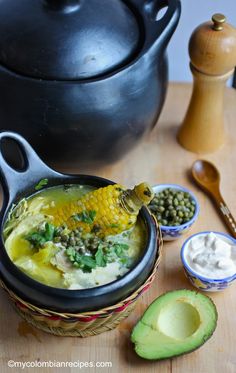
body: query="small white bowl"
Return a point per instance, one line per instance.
(199, 281)
(170, 233)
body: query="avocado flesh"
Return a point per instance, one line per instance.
(176, 323)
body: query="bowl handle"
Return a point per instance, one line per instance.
(15, 181)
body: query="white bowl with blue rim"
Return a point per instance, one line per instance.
(202, 282)
(170, 233)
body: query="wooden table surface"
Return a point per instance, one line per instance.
(157, 159)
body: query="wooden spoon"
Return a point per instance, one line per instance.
(207, 177)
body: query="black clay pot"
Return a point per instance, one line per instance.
(21, 183)
(83, 80)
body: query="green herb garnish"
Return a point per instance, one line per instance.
(114, 225)
(100, 257)
(84, 262)
(36, 238)
(87, 262)
(85, 216)
(120, 248)
(40, 237)
(41, 184)
(125, 260)
(49, 232)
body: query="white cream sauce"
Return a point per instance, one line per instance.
(212, 256)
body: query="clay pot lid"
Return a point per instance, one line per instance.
(67, 39)
(212, 46)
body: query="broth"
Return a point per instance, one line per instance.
(62, 257)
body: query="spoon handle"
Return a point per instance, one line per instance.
(225, 213)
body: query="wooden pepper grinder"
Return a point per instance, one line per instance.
(212, 50)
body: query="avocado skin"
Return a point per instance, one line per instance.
(205, 337)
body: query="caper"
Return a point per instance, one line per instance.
(166, 214)
(176, 202)
(72, 241)
(82, 250)
(64, 238)
(180, 196)
(154, 208)
(164, 222)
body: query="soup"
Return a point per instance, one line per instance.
(66, 255)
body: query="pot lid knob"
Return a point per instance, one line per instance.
(212, 46)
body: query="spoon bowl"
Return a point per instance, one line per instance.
(206, 175)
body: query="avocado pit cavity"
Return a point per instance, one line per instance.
(179, 320)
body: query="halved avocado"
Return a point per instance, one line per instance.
(176, 323)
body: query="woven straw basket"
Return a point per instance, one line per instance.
(81, 324)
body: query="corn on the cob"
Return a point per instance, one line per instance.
(106, 211)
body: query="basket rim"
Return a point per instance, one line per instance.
(65, 315)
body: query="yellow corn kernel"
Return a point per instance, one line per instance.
(109, 210)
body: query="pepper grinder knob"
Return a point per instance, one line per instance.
(218, 20)
(212, 50)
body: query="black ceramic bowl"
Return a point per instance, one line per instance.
(18, 184)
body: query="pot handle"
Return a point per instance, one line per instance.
(34, 169)
(65, 6)
(159, 31)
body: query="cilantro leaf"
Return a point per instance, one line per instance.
(88, 261)
(84, 262)
(36, 239)
(125, 260)
(120, 248)
(49, 232)
(101, 259)
(85, 216)
(40, 237)
(70, 251)
(114, 225)
(41, 184)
